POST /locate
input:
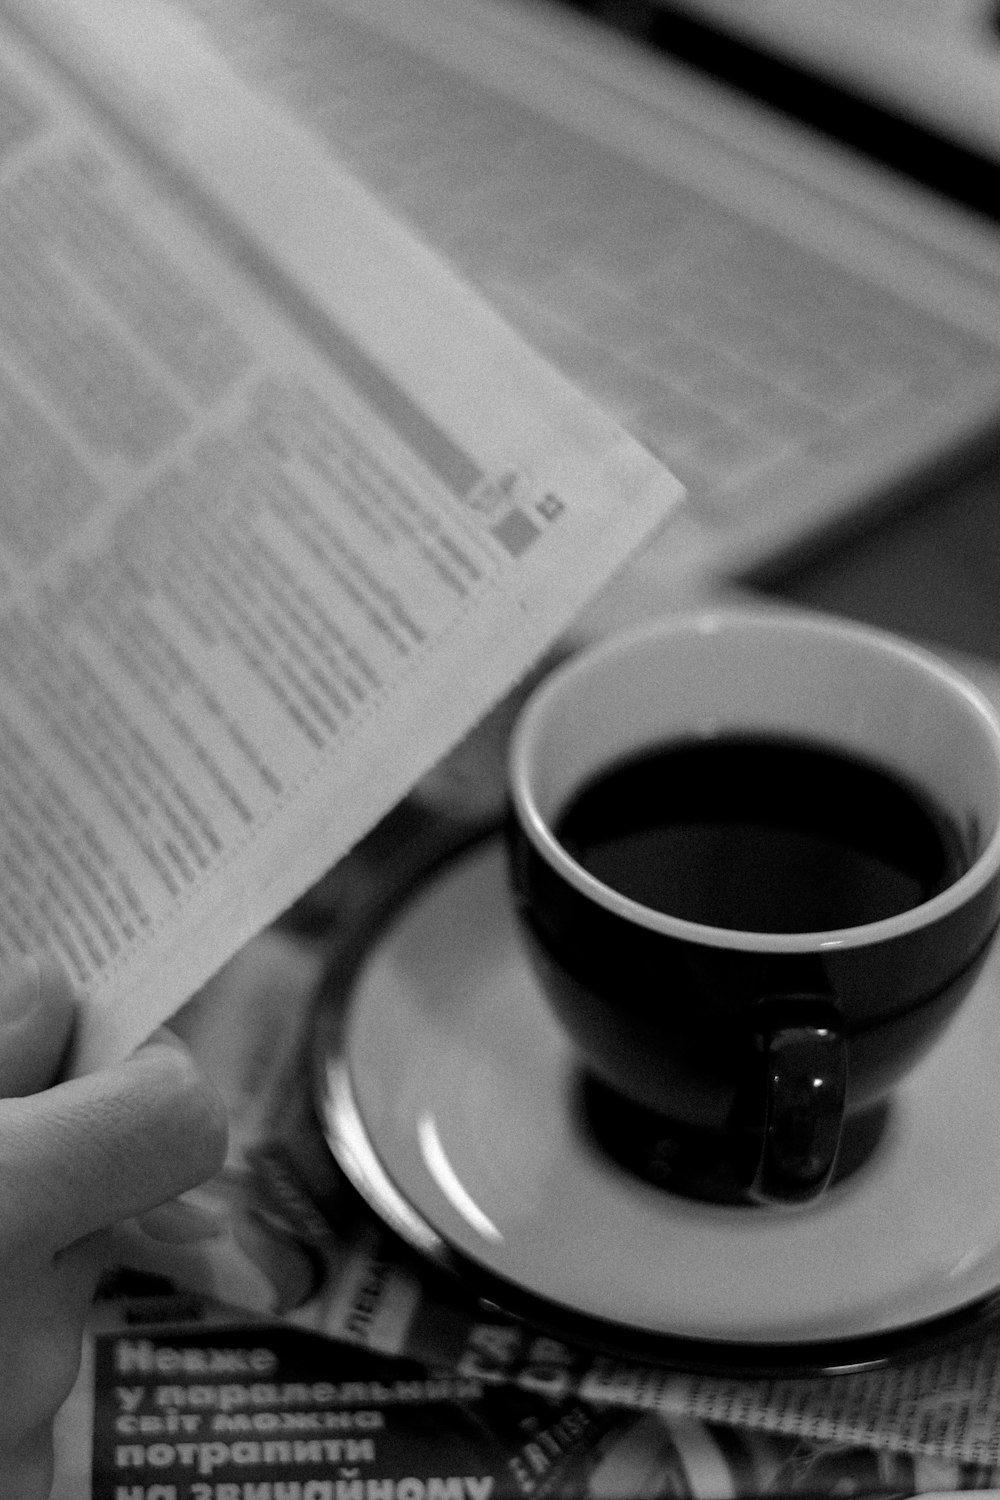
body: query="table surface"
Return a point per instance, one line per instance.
(932, 571)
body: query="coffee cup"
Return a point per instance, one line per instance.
(755, 856)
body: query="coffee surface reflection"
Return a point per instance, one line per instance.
(762, 834)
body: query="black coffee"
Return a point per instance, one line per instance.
(762, 835)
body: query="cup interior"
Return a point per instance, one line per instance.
(848, 687)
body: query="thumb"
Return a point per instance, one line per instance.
(110, 1145)
(37, 1011)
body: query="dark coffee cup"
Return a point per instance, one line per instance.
(756, 860)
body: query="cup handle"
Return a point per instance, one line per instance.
(805, 1079)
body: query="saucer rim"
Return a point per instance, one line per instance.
(354, 1152)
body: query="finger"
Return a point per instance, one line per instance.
(43, 1324)
(37, 1010)
(109, 1145)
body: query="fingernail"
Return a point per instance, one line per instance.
(20, 984)
(182, 1222)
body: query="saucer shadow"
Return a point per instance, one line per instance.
(688, 1162)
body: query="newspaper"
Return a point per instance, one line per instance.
(286, 508)
(266, 1413)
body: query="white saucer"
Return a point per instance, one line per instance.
(448, 1097)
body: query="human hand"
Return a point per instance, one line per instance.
(76, 1158)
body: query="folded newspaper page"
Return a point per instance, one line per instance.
(286, 508)
(307, 1345)
(222, 1412)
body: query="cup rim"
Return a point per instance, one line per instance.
(712, 620)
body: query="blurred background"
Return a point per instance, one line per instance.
(932, 567)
